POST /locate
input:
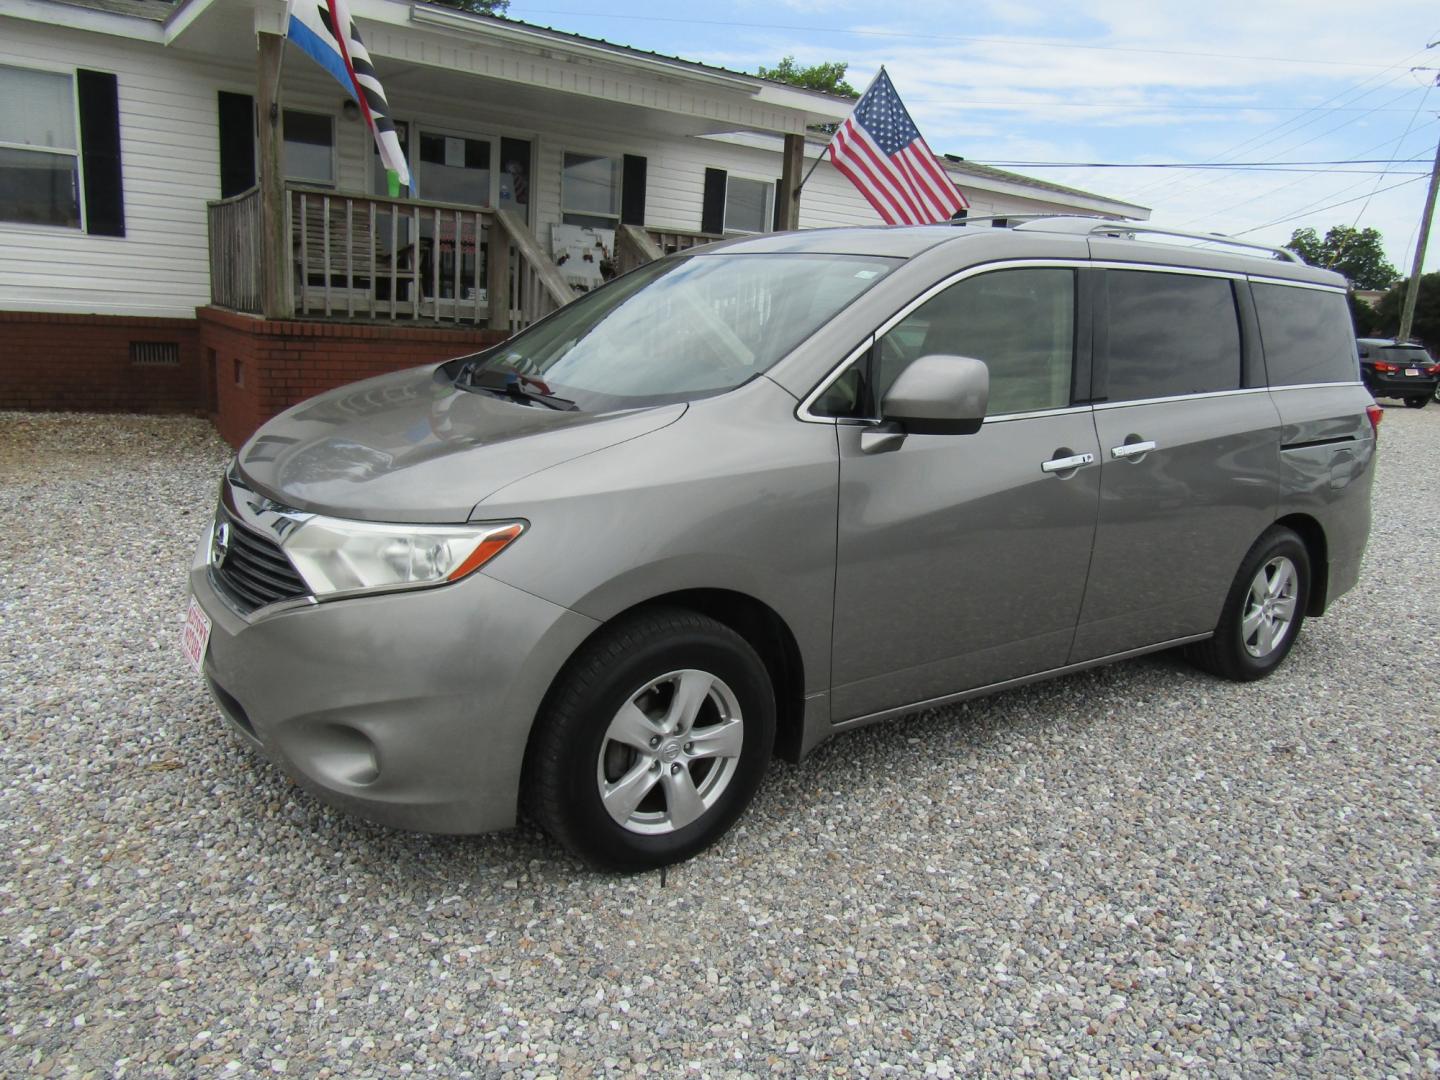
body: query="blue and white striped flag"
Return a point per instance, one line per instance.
(327, 33)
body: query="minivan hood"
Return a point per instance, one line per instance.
(410, 447)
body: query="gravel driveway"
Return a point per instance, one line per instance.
(1138, 869)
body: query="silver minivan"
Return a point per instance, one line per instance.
(756, 494)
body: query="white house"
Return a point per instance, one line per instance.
(152, 242)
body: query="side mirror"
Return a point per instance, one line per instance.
(939, 395)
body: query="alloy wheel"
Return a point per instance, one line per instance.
(670, 752)
(1270, 607)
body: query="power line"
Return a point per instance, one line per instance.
(1286, 186)
(1137, 106)
(1321, 209)
(1282, 187)
(1195, 164)
(973, 38)
(1295, 123)
(1423, 98)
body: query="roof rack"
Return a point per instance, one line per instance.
(1024, 218)
(1119, 228)
(1095, 224)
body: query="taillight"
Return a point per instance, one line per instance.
(1386, 369)
(1375, 413)
(1434, 369)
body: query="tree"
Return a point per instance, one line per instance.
(829, 78)
(479, 7)
(1427, 311)
(1359, 254)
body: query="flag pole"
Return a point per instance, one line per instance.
(801, 186)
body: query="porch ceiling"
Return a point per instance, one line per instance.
(440, 53)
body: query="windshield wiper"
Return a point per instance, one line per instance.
(524, 389)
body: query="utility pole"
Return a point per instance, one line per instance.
(1412, 290)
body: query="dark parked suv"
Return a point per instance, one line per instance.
(1398, 370)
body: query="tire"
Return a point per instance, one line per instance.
(1253, 636)
(1417, 401)
(652, 741)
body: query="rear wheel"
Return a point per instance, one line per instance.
(1263, 611)
(1417, 401)
(652, 742)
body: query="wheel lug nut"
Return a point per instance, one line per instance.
(654, 766)
(689, 747)
(675, 768)
(655, 740)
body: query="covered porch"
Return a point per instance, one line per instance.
(402, 261)
(518, 139)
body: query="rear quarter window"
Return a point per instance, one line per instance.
(1307, 335)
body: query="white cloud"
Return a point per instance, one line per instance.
(1160, 102)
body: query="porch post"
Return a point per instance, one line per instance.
(792, 161)
(275, 299)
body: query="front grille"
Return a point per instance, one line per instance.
(254, 571)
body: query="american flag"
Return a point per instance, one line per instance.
(879, 150)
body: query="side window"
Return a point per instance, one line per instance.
(590, 191)
(1307, 335)
(1020, 322)
(1169, 334)
(309, 147)
(39, 150)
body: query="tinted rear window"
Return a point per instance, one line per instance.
(1307, 334)
(1402, 354)
(1170, 334)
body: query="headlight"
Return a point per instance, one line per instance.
(336, 556)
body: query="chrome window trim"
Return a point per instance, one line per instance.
(1261, 279)
(1316, 385)
(1007, 417)
(1106, 405)
(1167, 268)
(803, 411)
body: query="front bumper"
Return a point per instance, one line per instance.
(410, 709)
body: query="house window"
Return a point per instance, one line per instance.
(749, 205)
(39, 150)
(310, 148)
(453, 169)
(590, 191)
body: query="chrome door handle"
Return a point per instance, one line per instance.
(1061, 464)
(1132, 449)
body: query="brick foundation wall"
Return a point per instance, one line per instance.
(260, 367)
(85, 362)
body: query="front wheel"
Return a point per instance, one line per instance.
(1417, 401)
(1263, 611)
(652, 742)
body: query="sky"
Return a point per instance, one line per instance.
(1128, 82)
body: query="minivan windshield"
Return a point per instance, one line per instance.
(674, 330)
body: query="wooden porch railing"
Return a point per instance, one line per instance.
(235, 251)
(670, 241)
(370, 257)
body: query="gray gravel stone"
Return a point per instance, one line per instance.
(1138, 871)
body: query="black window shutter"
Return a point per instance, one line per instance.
(632, 191)
(99, 96)
(779, 204)
(237, 143)
(712, 213)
